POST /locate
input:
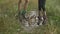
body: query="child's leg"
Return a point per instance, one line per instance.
(26, 4)
(44, 11)
(19, 8)
(40, 16)
(42, 4)
(25, 7)
(43, 7)
(19, 5)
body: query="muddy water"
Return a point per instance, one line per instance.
(33, 21)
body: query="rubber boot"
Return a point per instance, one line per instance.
(44, 17)
(40, 18)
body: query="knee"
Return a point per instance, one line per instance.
(19, 1)
(26, 1)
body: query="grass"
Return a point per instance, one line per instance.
(10, 25)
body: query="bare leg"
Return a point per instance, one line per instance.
(26, 4)
(19, 5)
(25, 7)
(19, 8)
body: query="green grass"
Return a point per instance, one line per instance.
(10, 25)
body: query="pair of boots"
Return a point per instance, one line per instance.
(42, 18)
